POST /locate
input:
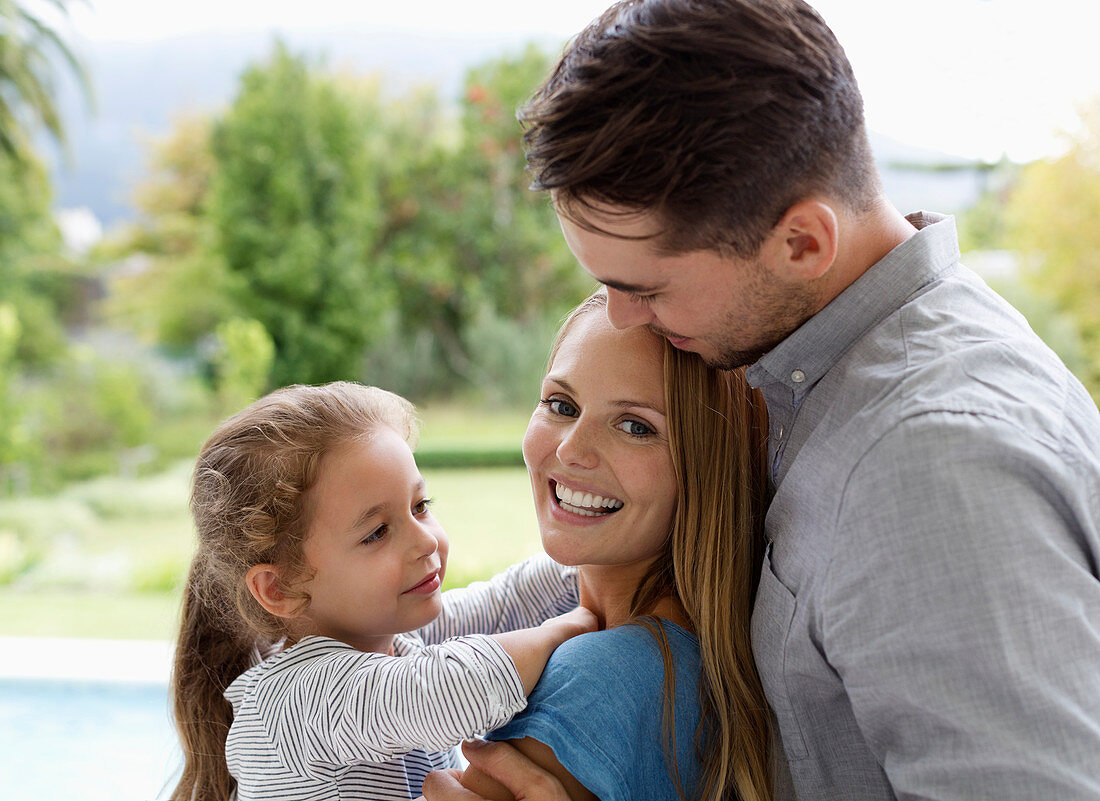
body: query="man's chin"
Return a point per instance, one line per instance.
(732, 359)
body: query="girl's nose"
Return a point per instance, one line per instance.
(424, 542)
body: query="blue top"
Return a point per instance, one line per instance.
(598, 706)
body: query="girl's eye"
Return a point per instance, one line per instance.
(423, 506)
(560, 406)
(377, 535)
(635, 428)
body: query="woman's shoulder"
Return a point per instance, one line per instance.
(636, 637)
(624, 656)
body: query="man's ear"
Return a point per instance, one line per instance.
(803, 245)
(267, 587)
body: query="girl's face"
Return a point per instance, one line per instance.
(597, 448)
(377, 553)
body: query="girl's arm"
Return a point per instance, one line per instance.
(522, 596)
(343, 706)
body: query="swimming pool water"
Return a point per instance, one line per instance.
(86, 741)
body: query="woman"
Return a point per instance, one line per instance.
(648, 472)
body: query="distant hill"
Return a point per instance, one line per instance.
(140, 88)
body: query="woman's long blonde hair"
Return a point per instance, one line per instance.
(717, 435)
(249, 504)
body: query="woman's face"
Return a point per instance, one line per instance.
(597, 448)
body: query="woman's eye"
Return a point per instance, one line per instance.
(423, 506)
(560, 406)
(376, 535)
(635, 428)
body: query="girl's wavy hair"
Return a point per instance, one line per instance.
(717, 115)
(250, 505)
(717, 434)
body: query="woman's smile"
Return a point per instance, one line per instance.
(585, 504)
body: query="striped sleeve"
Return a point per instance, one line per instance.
(343, 707)
(522, 596)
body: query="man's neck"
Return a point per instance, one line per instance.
(865, 239)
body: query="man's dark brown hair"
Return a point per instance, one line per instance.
(718, 115)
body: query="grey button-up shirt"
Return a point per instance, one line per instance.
(927, 624)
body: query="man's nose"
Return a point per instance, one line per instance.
(623, 311)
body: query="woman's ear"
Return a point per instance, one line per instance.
(267, 587)
(804, 243)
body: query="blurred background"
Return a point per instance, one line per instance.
(200, 202)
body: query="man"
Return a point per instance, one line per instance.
(927, 624)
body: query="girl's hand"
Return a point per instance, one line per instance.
(530, 648)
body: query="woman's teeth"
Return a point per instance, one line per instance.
(585, 504)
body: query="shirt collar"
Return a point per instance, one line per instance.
(803, 358)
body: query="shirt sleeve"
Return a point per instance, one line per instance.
(963, 613)
(522, 596)
(349, 707)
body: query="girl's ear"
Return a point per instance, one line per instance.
(266, 586)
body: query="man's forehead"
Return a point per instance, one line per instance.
(599, 217)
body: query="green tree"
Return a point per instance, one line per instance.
(296, 211)
(29, 49)
(468, 236)
(243, 362)
(33, 275)
(1051, 218)
(177, 289)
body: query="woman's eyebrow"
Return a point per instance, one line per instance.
(637, 404)
(561, 382)
(619, 404)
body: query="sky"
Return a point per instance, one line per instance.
(975, 78)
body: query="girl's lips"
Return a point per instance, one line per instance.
(428, 585)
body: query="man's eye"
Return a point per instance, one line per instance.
(635, 428)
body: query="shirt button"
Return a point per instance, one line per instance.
(782, 431)
(798, 376)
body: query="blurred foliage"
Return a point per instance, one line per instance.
(243, 362)
(1051, 219)
(29, 53)
(374, 238)
(168, 283)
(1041, 217)
(34, 275)
(296, 207)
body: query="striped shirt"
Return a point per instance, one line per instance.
(322, 720)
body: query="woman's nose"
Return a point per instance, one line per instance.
(625, 312)
(578, 447)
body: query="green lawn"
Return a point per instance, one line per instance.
(106, 558)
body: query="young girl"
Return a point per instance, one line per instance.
(295, 675)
